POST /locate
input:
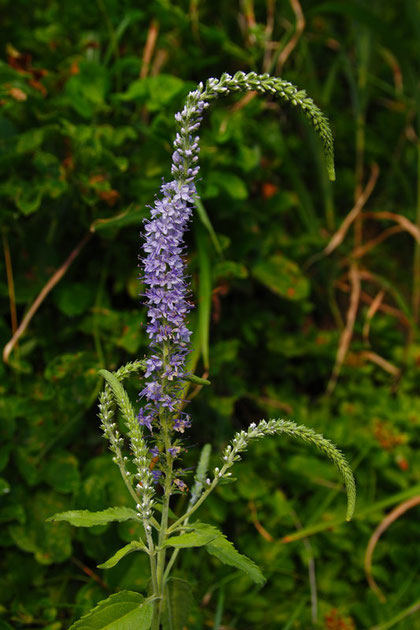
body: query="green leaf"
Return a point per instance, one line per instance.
(30, 140)
(86, 90)
(135, 545)
(205, 220)
(225, 551)
(85, 518)
(231, 184)
(155, 92)
(28, 199)
(73, 299)
(193, 539)
(204, 295)
(122, 611)
(49, 542)
(177, 603)
(61, 472)
(229, 269)
(130, 216)
(282, 276)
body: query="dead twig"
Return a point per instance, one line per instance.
(387, 521)
(387, 366)
(260, 529)
(368, 299)
(149, 48)
(90, 573)
(338, 237)
(362, 250)
(292, 43)
(373, 308)
(405, 223)
(10, 282)
(269, 27)
(347, 333)
(55, 278)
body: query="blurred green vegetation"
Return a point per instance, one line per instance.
(87, 97)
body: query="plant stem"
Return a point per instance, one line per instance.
(152, 557)
(186, 516)
(161, 554)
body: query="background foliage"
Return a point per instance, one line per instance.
(87, 93)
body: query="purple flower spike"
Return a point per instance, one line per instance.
(166, 289)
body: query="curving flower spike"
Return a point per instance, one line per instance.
(164, 275)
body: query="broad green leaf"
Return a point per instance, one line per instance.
(49, 542)
(193, 539)
(229, 269)
(177, 603)
(229, 183)
(85, 518)
(122, 611)
(73, 299)
(225, 551)
(282, 276)
(30, 140)
(61, 472)
(87, 89)
(156, 92)
(135, 545)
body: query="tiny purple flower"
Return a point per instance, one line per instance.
(174, 451)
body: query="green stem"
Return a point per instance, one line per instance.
(186, 516)
(161, 554)
(152, 557)
(161, 557)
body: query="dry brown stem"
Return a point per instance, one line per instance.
(55, 278)
(347, 333)
(149, 48)
(373, 308)
(362, 250)
(405, 223)
(10, 282)
(368, 299)
(338, 237)
(381, 362)
(387, 521)
(292, 43)
(260, 529)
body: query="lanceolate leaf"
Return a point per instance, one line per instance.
(135, 545)
(178, 601)
(197, 538)
(122, 611)
(85, 518)
(225, 551)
